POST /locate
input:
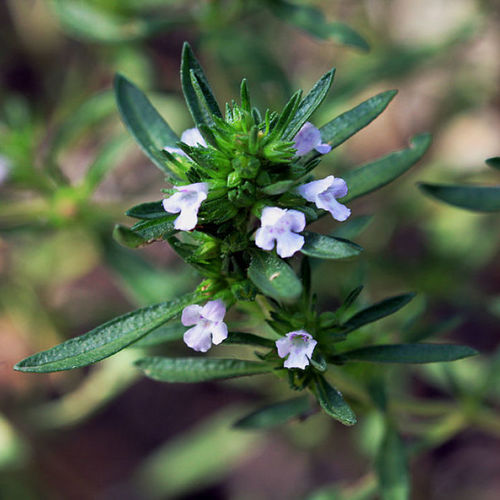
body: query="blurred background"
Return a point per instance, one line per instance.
(68, 171)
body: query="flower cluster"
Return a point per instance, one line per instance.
(279, 227)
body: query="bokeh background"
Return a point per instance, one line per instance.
(68, 171)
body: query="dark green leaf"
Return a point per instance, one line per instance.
(273, 276)
(126, 237)
(328, 247)
(106, 339)
(275, 415)
(494, 162)
(150, 210)
(332, 402)
(165, 333)
(155, 229)
(309, 104)
(313, 22)
(376, 174)
(198, 369)
(278, 187)
(352, 296)
(476, 198)
(248, 339)
(391, 466)
(353, 227)
(347, 124)
(377, 311)
(191, 66)
(149, 129)
(410, 353)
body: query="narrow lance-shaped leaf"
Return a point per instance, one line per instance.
(347, 124)
(391, 466)
(476, 198)
(309, 104)
(126, 237)
(409, 353)
(493, 162)
(274, 277)
(149, 210)
(376, 174)
(188, 370)
(275, 415)
(328, 247)
(332, 402)
(377, 311)
(149, 129)
(106, 339)
(189, 66)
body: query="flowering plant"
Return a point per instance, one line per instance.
(243, 193)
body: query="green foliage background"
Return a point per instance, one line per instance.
(73, 172)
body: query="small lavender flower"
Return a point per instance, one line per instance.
(281, 225)
(209, 327)
(323, 194)
(4, 168)
(191, 137)
(309, 138)
(298, 346)
(187, 201)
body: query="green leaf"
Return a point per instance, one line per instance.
(248, 339)
(476, 198)
(353, 227)
(279, 187)
(126, 237)
(106, 339)
(347, 124)
(309, 104)
(155, 229)
(149, 210)
(493, 162)
(391, 466)
(328, 247)
(190, 66)
(166, 333)
(409, 353)
(149, 129)
(313, 22)
(332, 402)
(376, 311)
(275, 415)
(198, 369)
(376, 174)
(274, 277)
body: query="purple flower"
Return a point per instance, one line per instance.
(187, 201)
(323, 194)
(309, 138)
(209, 327)
(298, 346)
(191, 137)
(281, 225)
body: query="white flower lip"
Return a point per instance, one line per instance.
(323, 194)
(298, 346)
(209, 327)
(187, 201)
(281, 226)
(191, 137)
(309, 138)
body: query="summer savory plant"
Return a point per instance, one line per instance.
(242, 198)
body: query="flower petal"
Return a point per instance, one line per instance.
(312, 189)
(191, 315)
(176, 151)
(339, 212)
(323, 148)
(198, 338)
(264, 238)
(288, 244)
(296, 219)
(338, 187)
(284, 344)
(214, 310)
(307, 138)
(173, 204)
(219, 333)
(296, 360)
(271, 215)
(193, 137)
